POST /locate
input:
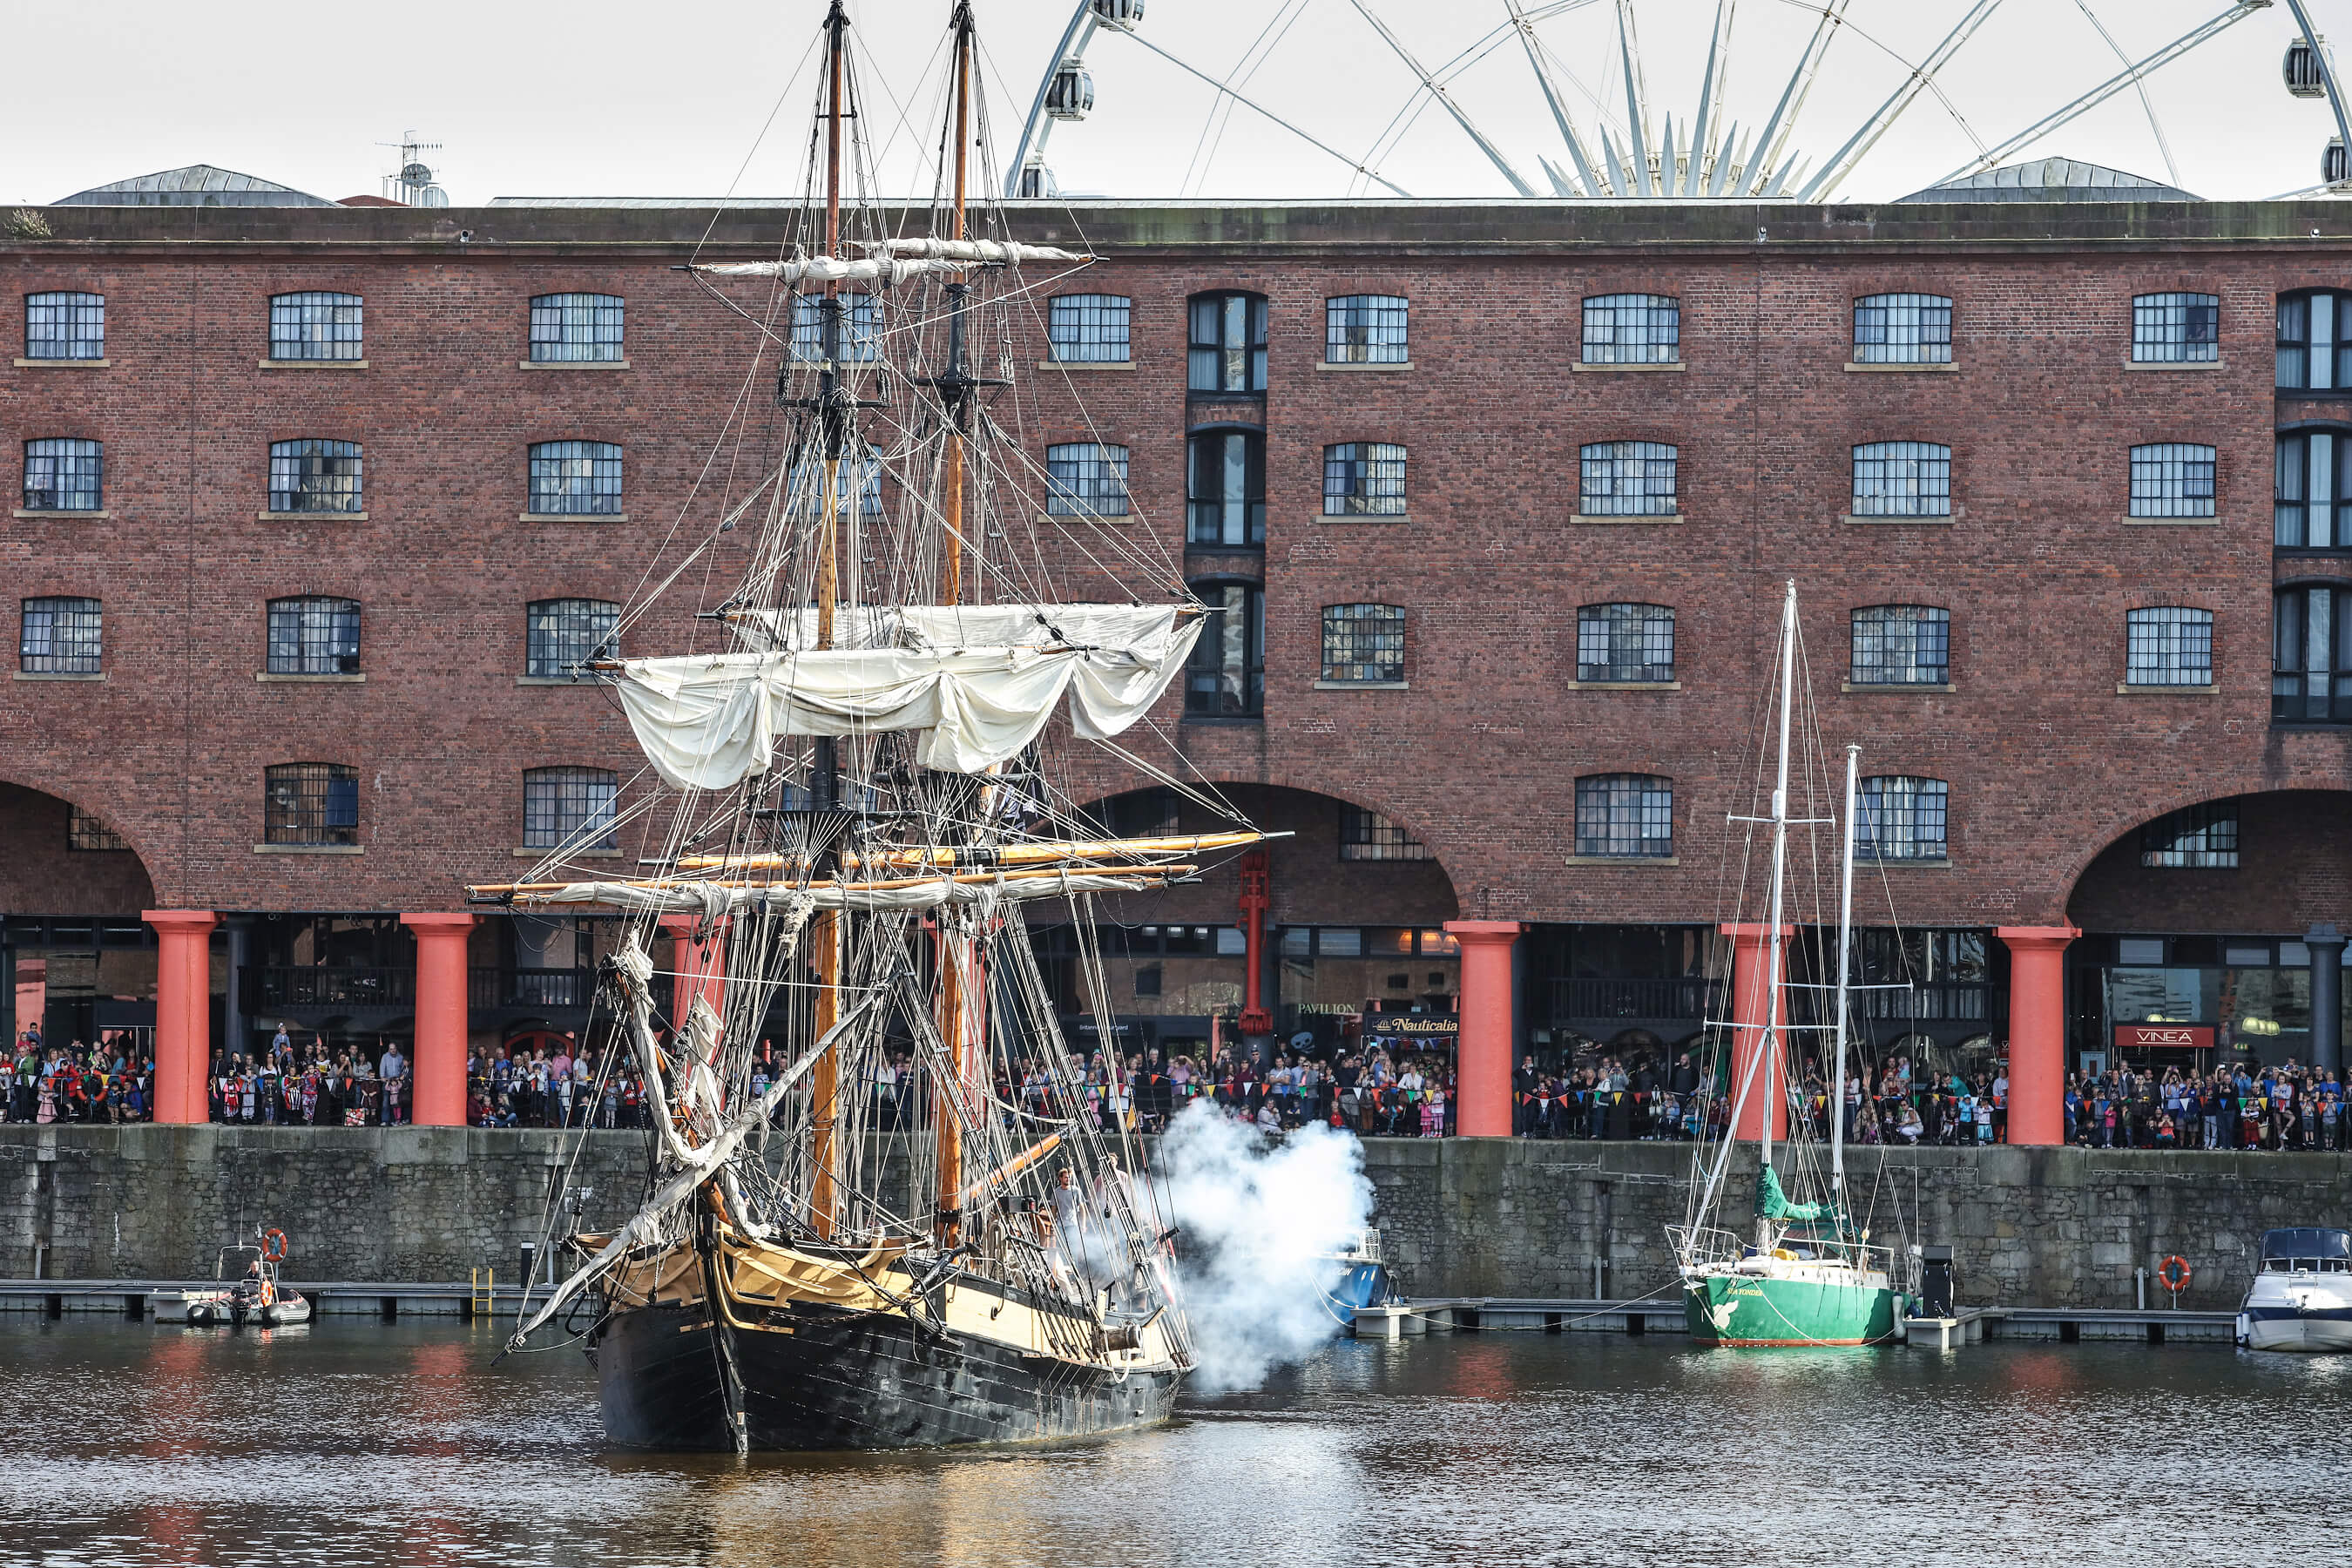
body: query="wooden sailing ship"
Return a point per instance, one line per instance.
(864, 791)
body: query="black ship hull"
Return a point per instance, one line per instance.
(836, 1379)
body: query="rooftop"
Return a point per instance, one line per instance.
(197, 185)
(2051, 180)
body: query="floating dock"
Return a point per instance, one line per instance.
(1658, 1315)
(164, 1299)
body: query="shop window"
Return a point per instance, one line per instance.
(1901, 645)
(575, 478)
(1089, 329)
(85, 832)
(313, 476)
(316, 325)
(310, 803)
(1625, 817)
(1633, 329)
(1226, 350)
(2169, 644)
(1225, 489)
(1627, 478)
(1368, 836)
(1339, 941)
(61, 637)
(2196, 837)
(2172, 478)
(1902, 328)
(861, 328)
(575, 329)
(65, 326)
(2310, 510)
(1363, 478)
(1227, 674)
(1363, 644)
(2314, 342)
(64, 475)
(561, 636)
(1364, 329)
(1902, 479)
(1624, 643)
(313, 635)
(1086, 479)
(1902, 818)
(569, 808)
(2176, 328)
(2311, 656)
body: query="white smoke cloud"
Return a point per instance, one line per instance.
(1256, 1222)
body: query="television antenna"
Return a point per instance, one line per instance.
(413, 184)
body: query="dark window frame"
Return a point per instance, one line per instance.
(71, 315)
(1617, 814)
(2168, 639)
(87, 834)
(317, 477)
(1629, 478)
(318, 324)
(1873, 644)
(574, 477)
(1212, 518)
(1366, 835)
(1087, 478)
(65, 473)
(2201, 838)
(61, 634)
(312, 634)
(2293, 674)
(2175, 327)
(560, 805)
(578, 329)
(2305, 458)
(1902, 328)
(1215, 686)
(1902, 479)
(310, 803)
(1627, 637)
(1916, 826)
(1364, 478)
(1363, 644)
(2173, 478)
(1367, 328)
(562, 634)
(1224, 342)
(1085, 328)
(1632, 329)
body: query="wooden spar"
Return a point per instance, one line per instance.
(997, 855)
(951, 576)
(825, 1078)
(529, 890)
(1009, 1169)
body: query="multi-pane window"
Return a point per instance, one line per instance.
(2314, 342)
(1083, 479)
(2196, 837)
(1363, 478)
(1364, 329)
(1902, 818)
(315, 326)
(1225, 488)
(2311, 656)
(861, 328)
(2176, 328)
(2310, 509)
(1902, 479)
(1625, 817)
(849, 479)
(1628, 478)
(1089, 329)
(315, 476)
(563, 634)
(61, 637)
(1227, 674)
(1624, 642)
(310, 803)
(1902, 328)
(84, 831)
(2169, 644)
(575, 329)
(63, 475)
(1226, 347)
(1633, 329)
(314, 634)
(2172, 478)
(65, 326)
(575, 478)
(569, 808)
(1902, 645)
(1368, 836)
(1364, 642)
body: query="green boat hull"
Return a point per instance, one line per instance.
(1737, 1309)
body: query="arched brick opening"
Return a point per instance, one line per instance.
(74, 955)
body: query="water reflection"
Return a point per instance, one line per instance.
(350, 1445)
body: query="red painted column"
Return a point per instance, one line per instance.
(2037, 1031)
(184, 1012)
(1752, 1010)
(1482, 1086)
(437, 1074)
(701, 968)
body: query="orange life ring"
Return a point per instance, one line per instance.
(2174, 1274)
(273, 1246)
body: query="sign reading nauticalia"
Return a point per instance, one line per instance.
(2143, 1036)
(1412, 1024)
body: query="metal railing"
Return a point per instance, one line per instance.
(271, 986)
(1691, 997)
(555, 988)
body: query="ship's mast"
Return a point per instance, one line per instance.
(1845, 948)
(1776, 1098)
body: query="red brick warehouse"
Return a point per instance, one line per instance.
(1499, 500)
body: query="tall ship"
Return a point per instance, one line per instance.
(857, 791)
(1800, 1271)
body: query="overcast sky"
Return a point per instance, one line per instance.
(596, 97)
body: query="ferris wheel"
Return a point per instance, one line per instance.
(1786, 100)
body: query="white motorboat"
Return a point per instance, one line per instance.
(2301, 1299)
(256, 1298)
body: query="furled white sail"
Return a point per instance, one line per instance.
(884, 269)
(979, 250)
(1140, 628)
(708, 898)
(707, 721)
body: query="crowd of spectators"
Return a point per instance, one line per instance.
(2245, 1107)
(113, 1080)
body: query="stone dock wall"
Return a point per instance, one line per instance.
(2057, 1227)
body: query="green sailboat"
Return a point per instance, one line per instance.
(1805, 1274)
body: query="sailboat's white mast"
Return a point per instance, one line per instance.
(1770, 1044)
(1846, 944)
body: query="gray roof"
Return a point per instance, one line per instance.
(2052, 180)
(197, 185)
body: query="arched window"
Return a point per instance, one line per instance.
(62, 473)
(2315, 341)
(2311, 656)
(1628, 478)
(61, 637)
(1902, 479)
(1225, 488)
(2171, 478)
(1226, 346)
(569, 808)
(2169, 644)
(1902, 818)
(310, 803)
(861, 328)
(1902, 328)
(1368, 836)
(315, 476)
(1633, 329)
(2196, 837)
(1227, 675)
(1363, 644)
(315, 325)
(575, 329)
(1086, 479)
(563, 634)
(1089, 329)
(1624, 643)
(1625, 817)
(1365, 328)
(2310, 510)
(65, 326)
(1901, 645)
(314, 634)
(1363, 478)
(575, 478)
